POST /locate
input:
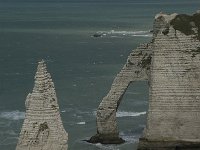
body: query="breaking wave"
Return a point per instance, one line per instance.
(81, 123)
(114, 33)
(130, 114)
(106, 147)
(126, 114)
(130, 139)
(12, 115)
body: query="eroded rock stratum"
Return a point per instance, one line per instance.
(171, 64)
(42, 128)
(173, 120)
(137, 68)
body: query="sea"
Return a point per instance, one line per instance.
(82, 65)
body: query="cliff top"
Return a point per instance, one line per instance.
(187, 24)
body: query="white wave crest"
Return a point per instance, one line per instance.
(130, 139)
(106, 147)
(114, 33)
(127, 32)
(125, 114)
(129, 114)
(81, 123)
(12, 115)
(142, 35)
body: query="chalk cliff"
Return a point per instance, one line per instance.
(171, 63)
(173, 120)
(42, 128)
(137, 68)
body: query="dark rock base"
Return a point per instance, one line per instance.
(144, 144)
(106, 139)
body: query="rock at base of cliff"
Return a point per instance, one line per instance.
(145, 144)
(106, 139)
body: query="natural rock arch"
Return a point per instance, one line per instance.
(136, 69)
(171, 65)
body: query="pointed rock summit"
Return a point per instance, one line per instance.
(42, 128)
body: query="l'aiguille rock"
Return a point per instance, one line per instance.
(42, 128)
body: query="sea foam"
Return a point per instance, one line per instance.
(129, 114)
(114, 33)
(81, 123)
(106, 147)
(126, 114)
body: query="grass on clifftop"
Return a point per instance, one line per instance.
(184, 23)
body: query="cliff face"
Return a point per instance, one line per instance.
(42, 128)
(171, 64)
(174, 104)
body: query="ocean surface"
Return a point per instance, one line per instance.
(82, 66)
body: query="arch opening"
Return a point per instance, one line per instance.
(131, 113)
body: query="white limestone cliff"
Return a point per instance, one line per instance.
(42, 128)
(171, 64)
(137, 68)
(173, 120)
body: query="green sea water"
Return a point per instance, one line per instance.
(82, 66)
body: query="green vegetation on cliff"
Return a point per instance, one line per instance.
(185, 24)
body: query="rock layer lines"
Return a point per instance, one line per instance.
(173, 120)
(42, 128)
(171, 64)
(137, 68)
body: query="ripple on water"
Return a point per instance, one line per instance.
(12, 115)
